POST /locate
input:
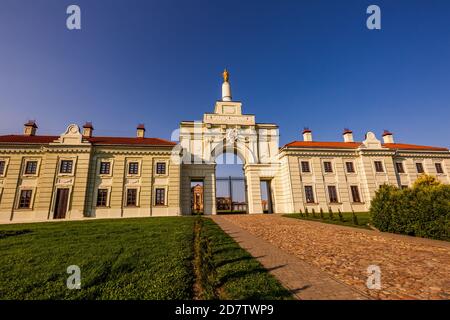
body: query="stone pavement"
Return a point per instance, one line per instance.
(323, 261)
(302, 279)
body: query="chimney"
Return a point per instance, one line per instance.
(307, 134)
(30, 128)
(88, 128)
(140, 131)
(388, 137)
(348, 135)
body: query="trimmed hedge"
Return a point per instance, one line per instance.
(423, 210)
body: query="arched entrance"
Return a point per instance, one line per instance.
(231, 187)
(228, 131)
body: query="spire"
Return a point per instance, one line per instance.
(226, 89)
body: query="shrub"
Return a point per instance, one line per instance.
(341, 217)
(321, 213)
(313, 213)
(330, 213)
(423, 210)
(354, 218)
(301, 213)
(306, 212)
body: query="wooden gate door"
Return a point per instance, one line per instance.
(62, 199)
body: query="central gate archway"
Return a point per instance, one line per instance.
(225, 131)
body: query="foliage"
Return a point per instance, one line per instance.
(330, 213)
(423, 210)
(354, 218)
(347, 219)
(341, 217)
(321, 214)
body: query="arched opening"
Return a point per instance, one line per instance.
(231, 188)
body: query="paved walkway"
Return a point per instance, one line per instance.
(303, 280)
(323, 261)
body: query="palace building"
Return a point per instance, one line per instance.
(79, 175)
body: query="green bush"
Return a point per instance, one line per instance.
(321, 214)
(341, 217)
(330, 213)
(423, 210)
(354, 218)
(313, 213)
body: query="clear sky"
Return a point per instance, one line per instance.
(294, 63)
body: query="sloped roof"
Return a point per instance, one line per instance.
(355, 145)
(23, 139)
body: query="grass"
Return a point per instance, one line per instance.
(148, 258)
(363, 218)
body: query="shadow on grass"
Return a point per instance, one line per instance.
(12, 233)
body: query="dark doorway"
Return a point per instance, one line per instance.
(266, 196)
(62, 200)
(197, 197)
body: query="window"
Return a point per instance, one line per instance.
(305, 166)
(437, 165)
(327, 166)
(309, 194)
(31, 167)
(25, 199)
(131, 197)
(419, 167)
(133, 168)
(105, 167)
(379, 166)
(160, 196)
(102, 197)
(2, 167)
(350, 167)
(160, 168)
(399, 166)
(332, 193)
(66, 166)
(355, 194)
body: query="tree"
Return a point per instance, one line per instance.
(425, 180)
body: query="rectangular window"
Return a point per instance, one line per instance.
(2, 167)
(25, 199)
(332, 193)
(399, 166)
(31, 167)
(328, 167)
(437, 165)
(309, 194)
(379, 166)
(305, 166)
(160, 196)
(355, 194)
(66, 166)
(133, 168)
(350, 167)
(105, 167)
(102, 197)
(131, 197)
(419, 167)
(160, 168)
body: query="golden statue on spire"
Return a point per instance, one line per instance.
(225, 75)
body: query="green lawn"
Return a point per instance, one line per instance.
(148, 258)
(363, 218)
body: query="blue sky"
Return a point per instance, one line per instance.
(293, 63)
